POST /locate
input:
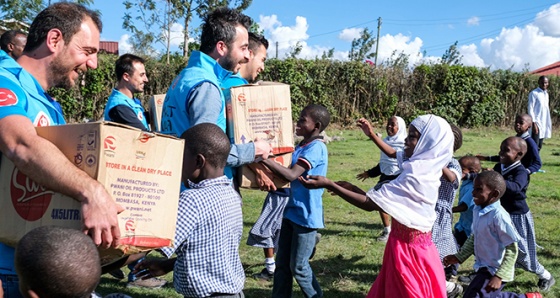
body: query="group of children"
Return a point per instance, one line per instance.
(419, 177)
(495, 222)
(499, 232)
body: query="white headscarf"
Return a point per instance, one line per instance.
(411, 197)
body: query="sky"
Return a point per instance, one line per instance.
(499, 34)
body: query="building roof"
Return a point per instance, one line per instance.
(552, 69)
(110, 47)
(10, 24)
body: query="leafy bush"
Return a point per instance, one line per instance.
(466, 96)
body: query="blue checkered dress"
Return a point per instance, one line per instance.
(209, 229)
(442, 231)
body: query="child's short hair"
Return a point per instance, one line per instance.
(520, 143)
(319, 114)
(470, 162)
(493, 180)
(457, 137)
(526, 117)
(210, 141)
(57, 262)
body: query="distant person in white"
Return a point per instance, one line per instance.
(538, 109)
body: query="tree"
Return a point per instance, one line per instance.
(452, 56)
(149, 15)
(26, 10)
(295, 50)
(362, 46)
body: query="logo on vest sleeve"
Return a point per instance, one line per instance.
(7, 97)
(140, 115)
(41, 120)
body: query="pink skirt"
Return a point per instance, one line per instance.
(411, 266)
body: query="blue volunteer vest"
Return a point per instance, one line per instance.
(21, 94)
(118, 98)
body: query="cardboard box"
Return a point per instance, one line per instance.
(262, 111)
(141, 171)
(155, 107)
(247, 177)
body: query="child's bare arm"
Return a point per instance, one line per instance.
(264, 177)
(151, 268)
(289, 174)
(368, 131)
(449, 175)
(349, 192)
(462, 207)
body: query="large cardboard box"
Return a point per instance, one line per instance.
(155, 107)
(142, 172)
(261, 111)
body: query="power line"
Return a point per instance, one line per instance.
(444, 21)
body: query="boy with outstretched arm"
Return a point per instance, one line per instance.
(493, 241)
(303, 214)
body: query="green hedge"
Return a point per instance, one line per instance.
(467, 96)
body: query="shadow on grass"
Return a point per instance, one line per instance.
(338, 277)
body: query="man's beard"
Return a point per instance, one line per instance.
(60, 74)
(228, 63)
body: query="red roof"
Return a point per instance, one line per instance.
(111, 47)
(552, 69)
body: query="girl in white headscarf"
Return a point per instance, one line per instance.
(388, 167)
(411, 264)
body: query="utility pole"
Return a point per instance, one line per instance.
(377, 41)
(276, 50)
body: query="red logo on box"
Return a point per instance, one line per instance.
(241, 97)
(109, 143)
(129, 225)
(30, 199)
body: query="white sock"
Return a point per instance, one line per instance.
(545, 275)
(270, 265)
(387, 229)
(449, 286)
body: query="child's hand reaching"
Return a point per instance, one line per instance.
(450, 260)
(314, 181)
(366, 127)
(362, 176)
(150, 268)
(493, 284)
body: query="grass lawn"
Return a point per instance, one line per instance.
(348, 257)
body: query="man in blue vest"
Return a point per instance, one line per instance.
(195, 95)
(62, 44)
(122, 107)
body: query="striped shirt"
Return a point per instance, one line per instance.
(209, 229)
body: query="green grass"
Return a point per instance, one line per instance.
(348, 258)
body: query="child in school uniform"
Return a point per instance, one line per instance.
(493, 241)
(209, 222)
(442, 231)
(469, 165)
(388, 167)
(531, 160)
(514, 202)
(411, 265)
(303, 214)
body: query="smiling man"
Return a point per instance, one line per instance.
(122, 107)
(63, 43)
(195, 95)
